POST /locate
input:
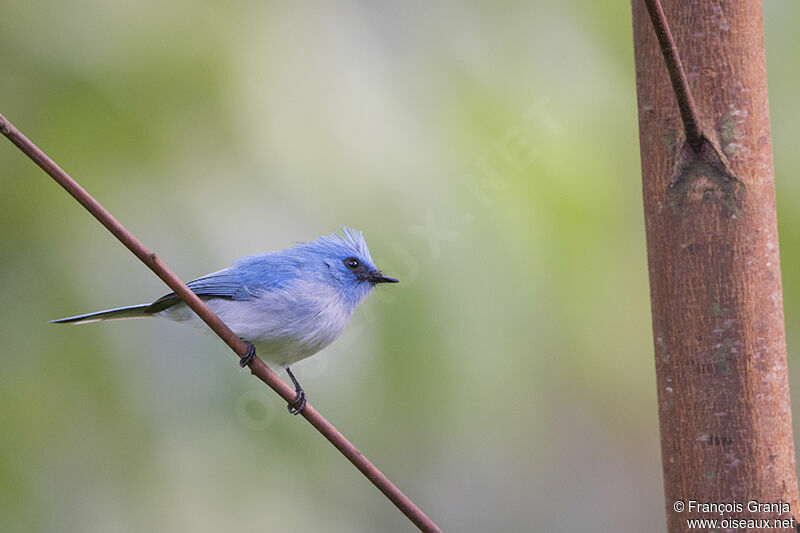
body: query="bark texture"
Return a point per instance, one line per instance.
(715, 280)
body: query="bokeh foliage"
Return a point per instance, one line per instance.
(490, 154)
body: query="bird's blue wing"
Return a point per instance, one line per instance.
(223, 284)
(248, 276)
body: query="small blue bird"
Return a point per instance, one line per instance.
(288, 305)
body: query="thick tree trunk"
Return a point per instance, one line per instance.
(715, 279)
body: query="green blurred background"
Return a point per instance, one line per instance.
(489, 154)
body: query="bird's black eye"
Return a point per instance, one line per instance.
(352, 263)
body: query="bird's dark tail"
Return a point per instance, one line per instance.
(132, 311)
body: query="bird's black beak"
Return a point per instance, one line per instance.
(377, 277)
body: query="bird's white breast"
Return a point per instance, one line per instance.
(284, 325)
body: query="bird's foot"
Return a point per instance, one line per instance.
(298, 404)
(249, 354)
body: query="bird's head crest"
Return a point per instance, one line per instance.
(352, 243)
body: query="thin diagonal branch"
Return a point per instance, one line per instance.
(680, 85)
(257, 366)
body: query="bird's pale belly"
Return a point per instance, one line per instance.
(282, 330)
